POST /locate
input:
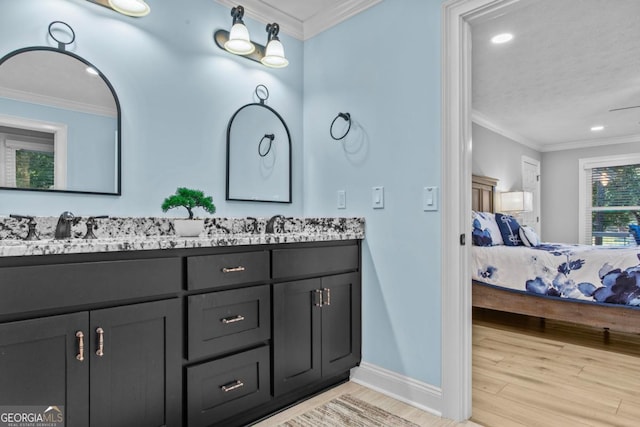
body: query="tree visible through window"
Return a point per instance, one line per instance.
(34, 169)
(615, 203)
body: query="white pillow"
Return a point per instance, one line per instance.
(529, 236)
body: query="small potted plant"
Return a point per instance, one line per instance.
(189, 199)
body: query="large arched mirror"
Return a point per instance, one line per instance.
(59, 124)
(258, 154)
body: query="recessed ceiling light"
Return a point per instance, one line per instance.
(502, 38)
(597, 128)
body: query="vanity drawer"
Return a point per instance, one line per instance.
(222, 321)
(314, 261)
(41, 287)
(210, 271)
(226, 387)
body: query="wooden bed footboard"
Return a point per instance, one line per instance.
(615, 318)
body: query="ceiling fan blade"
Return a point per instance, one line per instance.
(623, 108)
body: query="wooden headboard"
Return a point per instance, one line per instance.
(483, 193)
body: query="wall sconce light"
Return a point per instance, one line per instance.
(237, 42)
(136, 8)
(274, 53)
(516, 201)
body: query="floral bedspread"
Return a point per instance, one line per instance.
(593, 273)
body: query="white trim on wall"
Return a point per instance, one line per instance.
(456, 201)
(402, 388)
(59, 131)
(590, 163)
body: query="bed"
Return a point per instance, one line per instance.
(594, 286)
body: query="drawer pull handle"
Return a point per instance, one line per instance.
(237, 269)
(80, 355)
(232, 386)
(233, 319)
(326, 296)
(100, 351)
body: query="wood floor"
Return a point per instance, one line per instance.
(529, 373)
(393, 406)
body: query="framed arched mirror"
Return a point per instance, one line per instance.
(258, 154)
(59, 124)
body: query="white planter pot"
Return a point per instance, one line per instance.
(188, 227)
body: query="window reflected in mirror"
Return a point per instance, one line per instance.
(59, 124)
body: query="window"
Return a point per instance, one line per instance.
(33, 154)
(609, 199)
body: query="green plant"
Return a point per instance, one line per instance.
(189, 199)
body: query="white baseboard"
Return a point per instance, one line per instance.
(412, 392)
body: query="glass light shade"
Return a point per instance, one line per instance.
(239, 41)
(274, 55)
(516, 201)
(130, 7)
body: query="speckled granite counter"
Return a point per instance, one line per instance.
(134, 234)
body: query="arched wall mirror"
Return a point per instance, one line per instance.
(59, 124)
(258, 154)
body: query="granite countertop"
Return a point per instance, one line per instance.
(147, 233)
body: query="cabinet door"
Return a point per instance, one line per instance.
(296, 335)
(341, 323)
(136, 381)
(39, 367)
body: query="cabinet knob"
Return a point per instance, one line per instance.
(80, 355)
(100, 351)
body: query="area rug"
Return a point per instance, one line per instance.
(347, 411)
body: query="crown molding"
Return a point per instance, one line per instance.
(301, 30)
(331, 17)
(485, 122)
(51, 101)
(586, 143)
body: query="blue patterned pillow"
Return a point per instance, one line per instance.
(635, 230)
(510, 229)
(485, 230)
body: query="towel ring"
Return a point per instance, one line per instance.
(270, 137)
(347, 118)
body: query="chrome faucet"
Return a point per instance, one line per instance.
(271, 224)
(63, 229)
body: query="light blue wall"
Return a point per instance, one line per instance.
(383, 67)
(177, 91)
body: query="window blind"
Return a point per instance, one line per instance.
(612, 203)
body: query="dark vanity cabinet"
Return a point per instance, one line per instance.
(107, 361)
(180, 337)
(317, 321)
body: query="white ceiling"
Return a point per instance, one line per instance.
(570, 62)
(301, 19)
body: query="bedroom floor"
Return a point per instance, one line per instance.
(526, 373)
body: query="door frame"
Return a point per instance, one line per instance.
(456, 201)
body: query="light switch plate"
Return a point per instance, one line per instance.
(377, 197)
(430, 198)
(342, 199)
